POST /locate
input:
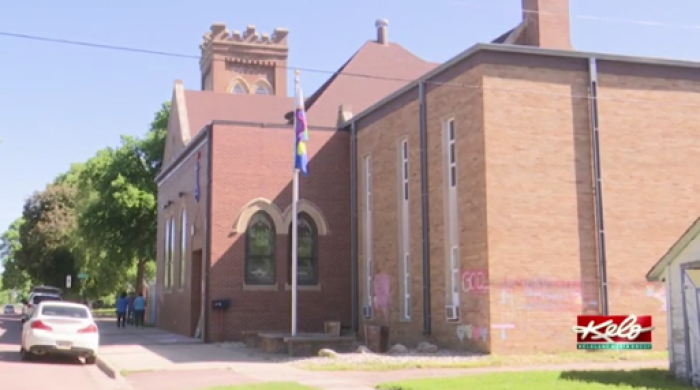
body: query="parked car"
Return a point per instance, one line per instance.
(34, 300)
(46, 290)
(60, 328)
(9, 309)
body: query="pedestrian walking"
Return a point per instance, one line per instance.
(139, 309)
(122, 304)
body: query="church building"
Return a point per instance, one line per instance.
(481, 203)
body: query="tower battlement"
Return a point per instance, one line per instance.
(219, 34)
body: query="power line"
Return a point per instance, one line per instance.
(328, 72)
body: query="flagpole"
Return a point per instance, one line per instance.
(295, 215)
(295, 239)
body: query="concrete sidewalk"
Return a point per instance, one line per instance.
(127, 352)
(148, 358)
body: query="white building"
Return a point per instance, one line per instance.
(679, 268)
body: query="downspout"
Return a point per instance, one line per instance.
(355, 305)
(602, 262)
(207, 235)
(423, 132)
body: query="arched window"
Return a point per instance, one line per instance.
(307, 253)
(262, 89)
(260, 250)
(238, 89)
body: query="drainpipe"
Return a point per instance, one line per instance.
(602, 262)
(353, 230)
(207, 235)
(423, 131)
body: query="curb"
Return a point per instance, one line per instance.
(113, 373)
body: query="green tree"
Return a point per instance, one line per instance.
(45, 250)
(120, 216)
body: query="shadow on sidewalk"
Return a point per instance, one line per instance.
(642, 379)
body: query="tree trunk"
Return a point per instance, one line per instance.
(140, 271)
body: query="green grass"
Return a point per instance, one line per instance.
(104, 312)
(386, 364)
(567, 380)
(265, 386)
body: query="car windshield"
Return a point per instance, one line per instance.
(41, 298)
(9, 307)
(47, 290)
(64, 311)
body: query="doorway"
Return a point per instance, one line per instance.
(195, 291)
(691, 303)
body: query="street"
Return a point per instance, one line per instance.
(56, 374)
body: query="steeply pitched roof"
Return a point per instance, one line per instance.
(656, 272)
(514, 36)
(371, 74)
(206, 106)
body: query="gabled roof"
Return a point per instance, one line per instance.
(206, 106)
(372, 73)
(514, 36)
(656, 272)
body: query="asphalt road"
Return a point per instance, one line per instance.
(50, 373)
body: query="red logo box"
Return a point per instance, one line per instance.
(599, 329)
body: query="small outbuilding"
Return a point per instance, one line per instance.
(679, 269)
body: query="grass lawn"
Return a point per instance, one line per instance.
(265, 386)
(383, 363)
(104, 312)
(567, 380)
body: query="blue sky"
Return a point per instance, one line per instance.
(59, 104)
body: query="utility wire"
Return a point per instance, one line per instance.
(330, 72)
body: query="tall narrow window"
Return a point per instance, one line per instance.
(166, 255)
(404, 232)
(453, 262)
(367, 238)
(183, 248)
(260, 250)
(171, 268)
(307, 258)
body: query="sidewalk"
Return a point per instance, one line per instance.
(149, 358)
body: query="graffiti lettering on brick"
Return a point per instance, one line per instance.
(476, 282)
(503, 328)
(464, 331)
(658, 293)
(382, 293)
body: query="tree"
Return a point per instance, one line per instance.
(120, 217)
(45, 245)
(13, 277)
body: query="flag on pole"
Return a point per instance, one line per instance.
(301, 128)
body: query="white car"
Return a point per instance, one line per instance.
(9, 309)
(34, 300)
(63, 328)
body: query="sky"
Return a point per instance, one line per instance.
(59, 104)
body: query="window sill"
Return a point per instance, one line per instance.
(316, 287)
(260, 287)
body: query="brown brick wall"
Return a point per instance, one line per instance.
(250, 163)
(541, 233)
(526, 196)
(173, 312)
(379, 138)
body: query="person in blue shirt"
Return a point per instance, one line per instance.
(122, 304)
(139, 309)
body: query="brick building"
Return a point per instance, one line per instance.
(463, 206)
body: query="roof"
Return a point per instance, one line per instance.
(656, 272)
(372, 73)
(520, 49)
(205, 106)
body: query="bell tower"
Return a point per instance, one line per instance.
(247, 63)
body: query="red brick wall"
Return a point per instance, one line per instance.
(173, 312)
(255, 162)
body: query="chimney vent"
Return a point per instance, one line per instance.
(382, 31)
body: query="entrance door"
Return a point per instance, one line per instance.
(196, 291)
(692, 310)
